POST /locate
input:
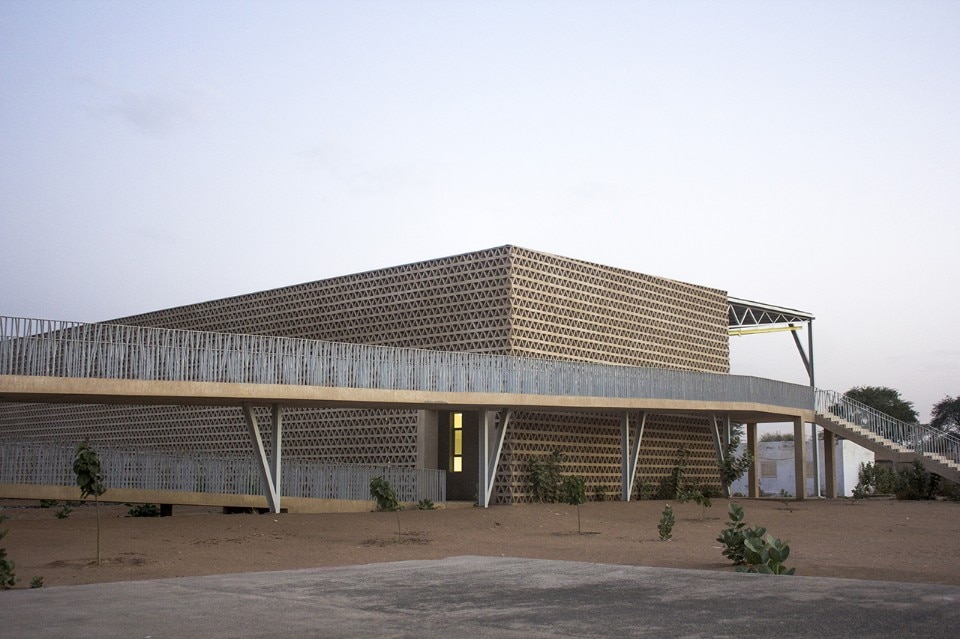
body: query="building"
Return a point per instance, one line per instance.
(777, 471)
(505, 300)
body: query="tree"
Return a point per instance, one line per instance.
(86, 466)
(886, 400)
(573, 491)
(946, 415)
(732, 467)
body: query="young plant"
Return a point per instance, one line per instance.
(143, 510)
(64, 511)
(698, 497)
(86, 466)
(36, 582)
(545, 478)
(732, 467)
(667, 520)
(573, 491)
(672, 486)
(732, 536)
(383, 493)
(426, 504)
(765, 555)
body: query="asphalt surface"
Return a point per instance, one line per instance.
(485, 597)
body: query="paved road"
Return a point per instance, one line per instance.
(485, 597)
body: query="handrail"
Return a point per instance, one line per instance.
(51, 464)
(918, 437)
(71, 349)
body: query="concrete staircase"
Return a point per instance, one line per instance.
(890, 438)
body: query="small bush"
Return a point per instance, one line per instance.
(875, 479)
(383, 493)
(751, 549)
(601, 493)
(916, 483)
(673, 485)
(699, 497)
(765, 555)
(64, 511)
(667, 520)
(545, 477)
(143, 510)
(8, 578)
(36, 582)
(426, 504)
(48, 503)
(733, 535)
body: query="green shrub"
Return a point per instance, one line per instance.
(875, 479)
(916, 483)
(143, 510)
(426, 504)
(64, 511)
(36, 582)
(383, 493)
(752, 549)
(48, 503)
(733, 535)
(732, 467)
(673, 485)
(667, 520)
(764, 555)
(699, 497)
(600, 493)
(545, 477)
(8, 578)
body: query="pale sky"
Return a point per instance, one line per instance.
(803, 154)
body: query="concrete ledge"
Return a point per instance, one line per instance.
(135, 496)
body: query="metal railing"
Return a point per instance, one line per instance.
(53, 465)
(917, 437)
(69, 349)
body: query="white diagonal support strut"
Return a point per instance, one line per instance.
(269, 468)
(491, 445)
(629, 453)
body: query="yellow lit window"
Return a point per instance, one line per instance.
(456, 440)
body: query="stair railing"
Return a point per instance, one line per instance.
(918, 437)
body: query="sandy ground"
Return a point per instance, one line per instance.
(873, 539)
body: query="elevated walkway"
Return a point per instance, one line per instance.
(899, 441)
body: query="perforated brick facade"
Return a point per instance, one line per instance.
(505, 300)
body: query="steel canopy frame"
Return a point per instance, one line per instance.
(744, 314)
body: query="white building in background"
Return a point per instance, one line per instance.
(777, 471)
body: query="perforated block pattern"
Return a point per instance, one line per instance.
(568, 309)
(591, 446)
(344, 436)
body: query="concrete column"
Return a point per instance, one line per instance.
(483, 482)
(799, 458)
(815, 448)
(753, 474)
(829, 465)
(427, 439)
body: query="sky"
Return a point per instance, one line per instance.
(802, 154)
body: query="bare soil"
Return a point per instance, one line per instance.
(871, 539)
